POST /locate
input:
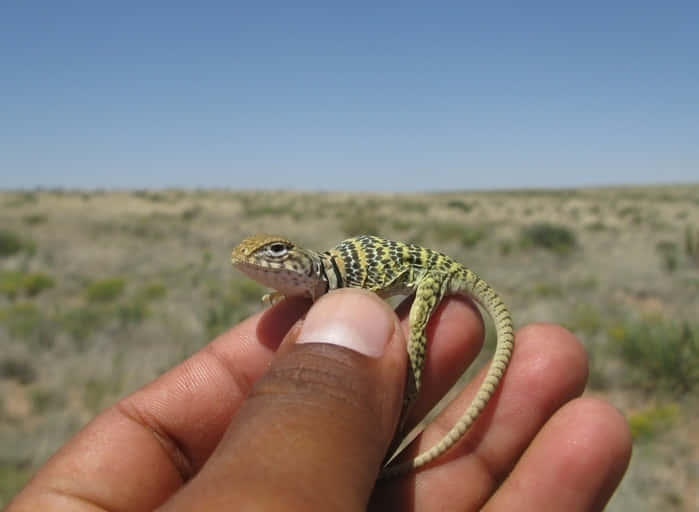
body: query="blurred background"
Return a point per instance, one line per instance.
(551, 148)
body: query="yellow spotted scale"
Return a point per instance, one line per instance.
(387, 268)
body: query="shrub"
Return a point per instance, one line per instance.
(11, 243)
(585, 319)
(691, 244)
(361, 223)
(80, 322)
(45, 399)
(649, 423)
(21, 370)
(669, 253)
(659, 353)
(36, 283)
(12, 283)
(457, 204)
(549, 236)
(191, 213)
(105, 290)
(221, 316)
(35, 218)
(132, 311)
(466, 236)
(96, 391)
(154, 290)
(21, 320)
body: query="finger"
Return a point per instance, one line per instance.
(573, 464)
(548, 368)
(313, 432)
(137, 453)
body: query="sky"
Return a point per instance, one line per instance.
(405, 96)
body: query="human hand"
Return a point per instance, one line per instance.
(251, 421)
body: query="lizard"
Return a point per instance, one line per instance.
(387, 268)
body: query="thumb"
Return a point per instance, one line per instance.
(313, 431)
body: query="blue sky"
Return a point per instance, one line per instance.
(402, 97)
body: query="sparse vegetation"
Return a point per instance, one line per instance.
(660, 354)
(102, 291)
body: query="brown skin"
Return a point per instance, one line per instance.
(251, 420)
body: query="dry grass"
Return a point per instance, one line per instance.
(102, 291)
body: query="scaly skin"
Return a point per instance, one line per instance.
(386, 268)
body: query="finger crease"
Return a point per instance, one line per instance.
(79, 500)
(171, 446)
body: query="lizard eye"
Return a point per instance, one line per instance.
(277, 249)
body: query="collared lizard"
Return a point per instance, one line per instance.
(387, 268)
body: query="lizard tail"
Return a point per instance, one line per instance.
(491, 302)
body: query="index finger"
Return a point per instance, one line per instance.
(140, 451)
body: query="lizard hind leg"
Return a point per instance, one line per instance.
(429, 293)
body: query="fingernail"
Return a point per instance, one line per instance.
(351, 320)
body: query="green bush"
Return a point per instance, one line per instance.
(35, 218)
(223, 314)
(12, 478)
(546, 289)
(596, 226)
(36, 283)
(80, 322)
(691, 244)
(191, 213)
(99, 391)
(154, 290)
(105, 290)
(466, 236)
(361, 223)
(660, 354)
(457, 204)
(549, 236)
(132, 311)
(669, 253)
(18, 369)
(22, 320)
(46, 399)
(13, 283)
(11, 243)
(585, 319)
(506, 247)
(649, 423)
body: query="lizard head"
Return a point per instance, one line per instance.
(279, 263)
